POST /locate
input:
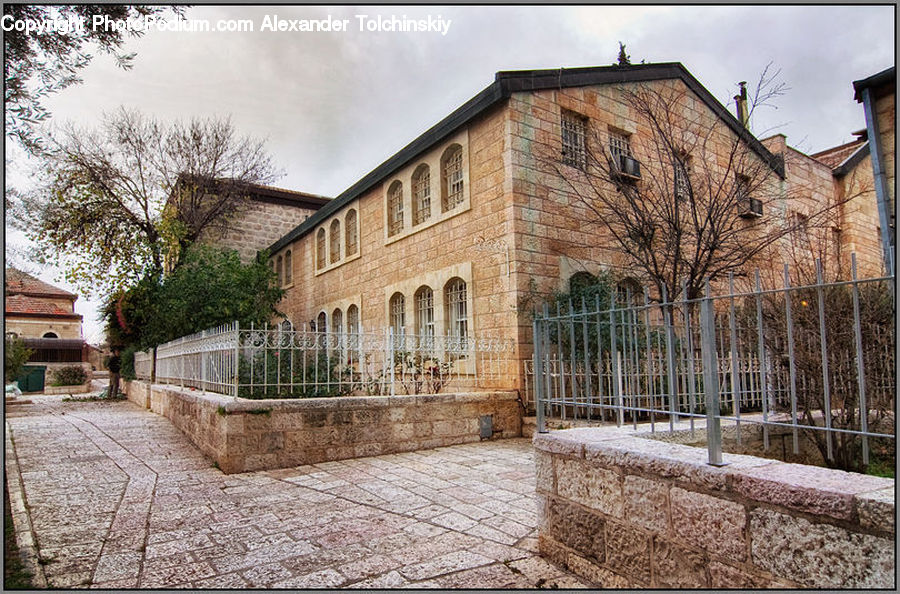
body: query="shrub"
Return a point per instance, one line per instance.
(73, 375)
(15, 356)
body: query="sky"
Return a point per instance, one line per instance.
(333, 105)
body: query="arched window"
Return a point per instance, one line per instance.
(425, 312)
(421, 187)
(322, 322)
(395, 208)
(451, 178)
(335, 241)
(50, 335)
(351, 232)
(320, 249)
(353, 319)
(629, 291)
(278, 273)
(457, 309)
(580, 281)
(397, 305)
(288, 268)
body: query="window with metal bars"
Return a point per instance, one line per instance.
(421, 186)
(353, 319)
(451, 178)
(320, 249)
(573, 128)
(335, 241)
(457, 309)
(682, 173)
(288, 268)
(425, 312)
(352, 234)
(397, 306)
(619, 146)
(395, 208)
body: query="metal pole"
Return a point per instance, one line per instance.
(586, 386)
(823, 343)
(710, 379)
(670, 359)
(860, 367)
(692, 380)
(763, 381)
(789, 321)
(599, 361)
(735, 375)
(614, 356)
(538, 377)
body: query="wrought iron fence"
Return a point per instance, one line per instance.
(817, 360)
(281, 362)
(143, 364)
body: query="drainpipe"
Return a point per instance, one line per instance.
(881, 187)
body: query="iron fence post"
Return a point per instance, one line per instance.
(823, 342)
(789, 320)
(710, 379)
(539, 377)
(670, 359)
(860, 367)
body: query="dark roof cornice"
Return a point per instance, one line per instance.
(851, 161)
(505, 84)
(887, 76)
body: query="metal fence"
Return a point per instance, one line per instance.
(281, 362)
(817, 360)
(143, 364)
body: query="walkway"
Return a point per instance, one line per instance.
(116, 497)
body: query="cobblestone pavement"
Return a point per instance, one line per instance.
(117, 497)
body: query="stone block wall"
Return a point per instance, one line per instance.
(628, 512)
(241, 435)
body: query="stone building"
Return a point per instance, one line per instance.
(466, 229)
(44, 317)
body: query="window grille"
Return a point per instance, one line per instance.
(353, 319)
(421, 195)
(457, 309)
(320, 249)
(352, 233)
(398, 314)
(288, 268)
(574, 136)
(395, 209)
(682, 172)
(619, 146)
(425, 312)
(452, 187)
(335, 241)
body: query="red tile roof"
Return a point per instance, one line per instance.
(20, 283)
(836, 155)
(31, 306)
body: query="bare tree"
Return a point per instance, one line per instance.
(687, 198)
(119, 199)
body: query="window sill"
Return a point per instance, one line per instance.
(339, 263)
(462, 207)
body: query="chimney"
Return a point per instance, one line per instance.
(740, 101)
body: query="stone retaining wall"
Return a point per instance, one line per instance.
(243, 435)
(625, 512)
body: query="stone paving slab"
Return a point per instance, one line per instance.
(109, 495)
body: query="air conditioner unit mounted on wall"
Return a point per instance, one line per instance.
(749, 208)
(629, 167)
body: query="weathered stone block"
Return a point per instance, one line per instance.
(577, 528)
(601, 577)
(543, 475)
(820, 555)
(628, 550)
(646, 503)
(590, 486)
(678, 567)
(552, 550)
(708, 522)
(271, 442)
(876, 509)
(726, 576)
(807, 488)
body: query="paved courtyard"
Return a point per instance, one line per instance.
(113, 496)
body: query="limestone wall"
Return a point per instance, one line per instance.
(624, 511)
(243, 435)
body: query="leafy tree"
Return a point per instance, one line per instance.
(119, 200)
(15, 357)
(37, 65)
(211, 287)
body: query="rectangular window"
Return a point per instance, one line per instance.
(573, 128)
(619, 146)
(682, 173)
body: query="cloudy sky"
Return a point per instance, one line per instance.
(332, 106)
